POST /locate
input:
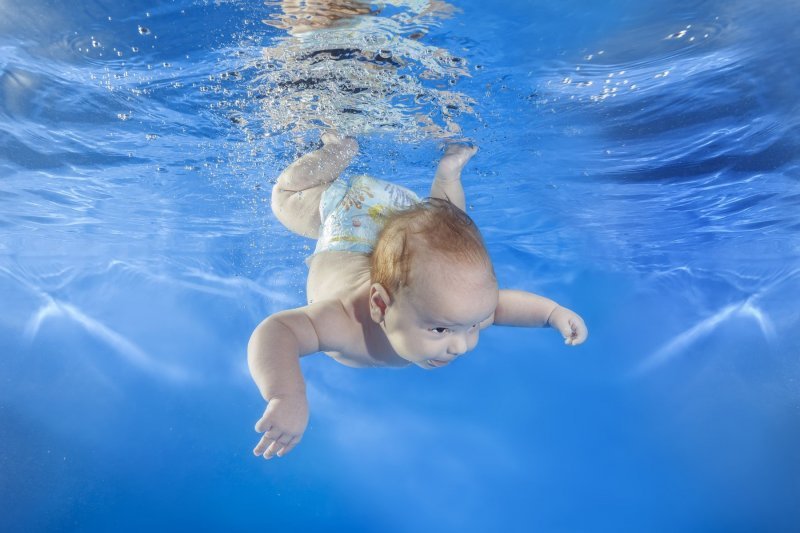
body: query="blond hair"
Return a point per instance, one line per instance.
(432, 226)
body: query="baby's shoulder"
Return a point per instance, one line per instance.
(335, 323)
(350, 334)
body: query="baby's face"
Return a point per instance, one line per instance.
(438, 316)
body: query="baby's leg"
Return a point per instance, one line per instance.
(447, 183)
(296, 195)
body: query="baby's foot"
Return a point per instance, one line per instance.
(330, 136)
(455, 157)
(348, 145)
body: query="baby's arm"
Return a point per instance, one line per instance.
(520, 308)
(273, 355)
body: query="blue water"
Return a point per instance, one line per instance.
(639, 163)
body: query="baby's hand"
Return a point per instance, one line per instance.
(569, 324)
(283, 424)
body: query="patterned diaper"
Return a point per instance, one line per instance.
(353, 214)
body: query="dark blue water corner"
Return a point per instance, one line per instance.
(639, 163)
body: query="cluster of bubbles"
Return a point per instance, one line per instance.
(346, 65)
(95, 46)
(140, 83)
(349, 68)
(600, 76)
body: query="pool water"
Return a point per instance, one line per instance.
(639, 163)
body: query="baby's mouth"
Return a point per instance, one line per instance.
(436, 363)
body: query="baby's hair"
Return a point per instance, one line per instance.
(430, 226)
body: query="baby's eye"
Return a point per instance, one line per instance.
(440, 330)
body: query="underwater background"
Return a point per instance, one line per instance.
(639, 163)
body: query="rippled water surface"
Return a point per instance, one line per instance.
(638, 163)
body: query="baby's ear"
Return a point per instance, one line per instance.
(379, 300)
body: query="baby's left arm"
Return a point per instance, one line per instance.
(520, 308)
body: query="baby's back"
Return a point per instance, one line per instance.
(336, 274)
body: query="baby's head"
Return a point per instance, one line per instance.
(432, 283)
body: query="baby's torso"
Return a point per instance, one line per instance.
(352, 215)
(344, 276)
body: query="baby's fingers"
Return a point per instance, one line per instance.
(289, 447)
(566, 331)
(267, 439)
(274, 443)
(579, 332)
(278, 445)
(262, 445)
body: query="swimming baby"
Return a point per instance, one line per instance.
(393, 281)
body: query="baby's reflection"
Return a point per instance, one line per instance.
(350, 66)
(302, 16)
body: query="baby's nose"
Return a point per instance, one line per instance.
(458, 345)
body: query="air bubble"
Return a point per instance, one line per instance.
(143, 30)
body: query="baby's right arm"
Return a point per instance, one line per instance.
(273, 355)
(521, 308)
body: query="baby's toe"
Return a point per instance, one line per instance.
(330, 136)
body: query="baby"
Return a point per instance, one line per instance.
(393, 281)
